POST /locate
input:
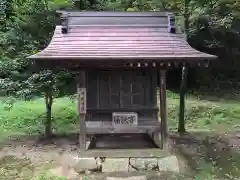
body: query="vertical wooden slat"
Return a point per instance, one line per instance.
(163, 108)
(92, 93)
(131, 92)
(81, 84)
(121, 91)
(98, 90)
(104, 98)
(114, 86)
(154, 88)
(181, 121)
(146, 92)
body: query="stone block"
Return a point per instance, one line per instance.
(131, 168)
(99, 162)
(85, 164)
(144, 163)
(115, 165)
(169, 163)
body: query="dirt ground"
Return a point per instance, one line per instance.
(25, 157)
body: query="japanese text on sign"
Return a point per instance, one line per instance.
(82, 100)
(125, 119)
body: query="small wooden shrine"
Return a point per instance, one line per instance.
(120, 57)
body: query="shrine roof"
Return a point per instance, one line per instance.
(118, 35)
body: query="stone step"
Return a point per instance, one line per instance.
(127, 178)
(70, 174)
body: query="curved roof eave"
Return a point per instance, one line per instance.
(118, 43)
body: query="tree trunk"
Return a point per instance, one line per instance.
(181, 121)
(48, 123)
(186, 18)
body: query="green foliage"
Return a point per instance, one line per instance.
(217, 22)
(48, 176)
(44, 81)
(25, 118)
(28, 117)
(27, 26)
(222, 116)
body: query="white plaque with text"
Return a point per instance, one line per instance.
(124, 119)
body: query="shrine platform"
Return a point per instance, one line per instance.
(122, 146)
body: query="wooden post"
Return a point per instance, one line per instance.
(181, 121)
(81, 91)
(163, 108)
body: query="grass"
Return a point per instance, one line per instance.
(200, 114)
(12, 168)
(27, 118)
(46, 176)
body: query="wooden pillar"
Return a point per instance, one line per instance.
(181, 121)
(81, 91)
(163, 108)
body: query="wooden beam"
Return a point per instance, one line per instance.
(163, 108)
(181, 121)
(101, 129)
(81, 89)
(125, 153)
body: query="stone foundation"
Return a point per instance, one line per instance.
(106, 165)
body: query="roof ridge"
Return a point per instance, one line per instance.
(123, 25)
(116, 13)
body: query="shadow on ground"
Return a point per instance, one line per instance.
(219, 94)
